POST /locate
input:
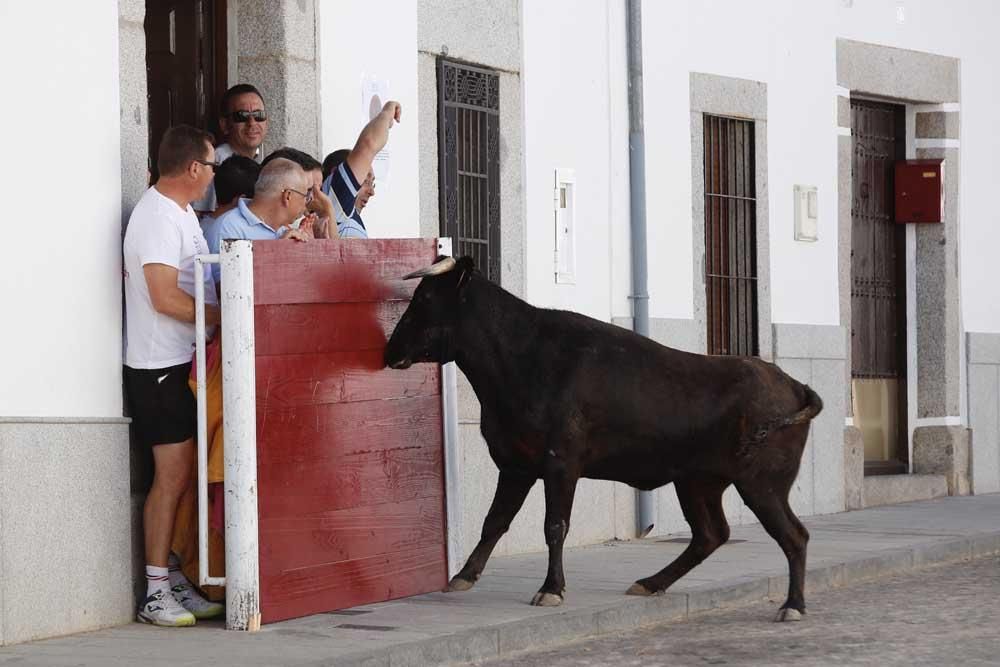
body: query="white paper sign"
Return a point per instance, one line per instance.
(374, 95)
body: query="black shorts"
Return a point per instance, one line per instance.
(162, 406)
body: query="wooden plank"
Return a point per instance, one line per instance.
(309, 487)
(316, 433)
(339, 377)
(329, 270)
(321, 588)
(350, 454)
(319, 328)
(351, 534)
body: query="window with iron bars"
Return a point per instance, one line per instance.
(730, 236)
(469, 162)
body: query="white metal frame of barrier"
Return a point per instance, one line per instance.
(452, 456)
(239, 416)
(242, 580)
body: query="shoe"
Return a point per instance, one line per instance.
(161, 608)
(191, 600)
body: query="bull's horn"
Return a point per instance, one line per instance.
(435, 269)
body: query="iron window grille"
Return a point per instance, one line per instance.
(469, 162)
(730, 236)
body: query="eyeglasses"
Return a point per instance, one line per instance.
(213, 165)
(241, 116)
(308, 196)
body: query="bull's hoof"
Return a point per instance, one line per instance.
(786, 614)
(457, 585)
(546, 600)
(638, 589)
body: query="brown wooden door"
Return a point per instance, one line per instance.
(185, 65)
(878, 286)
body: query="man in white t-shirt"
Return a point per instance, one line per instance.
(243, 121)
(161, 240)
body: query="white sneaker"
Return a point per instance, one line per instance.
(161, 608)
(192, 600)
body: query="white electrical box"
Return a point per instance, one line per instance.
(806, 213)
(564, 203)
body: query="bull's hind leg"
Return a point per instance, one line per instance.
(512, 489)
(701, 501)
(560, 487)
(766, 494)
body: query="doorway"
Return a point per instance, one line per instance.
(186, 66)
(878, 288)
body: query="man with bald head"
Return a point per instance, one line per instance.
(282, 193)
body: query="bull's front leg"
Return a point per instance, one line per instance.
(560, 486)
(512, 489)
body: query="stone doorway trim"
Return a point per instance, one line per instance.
(929, 85)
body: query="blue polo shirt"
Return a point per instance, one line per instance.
(342, 187)
(239, 223)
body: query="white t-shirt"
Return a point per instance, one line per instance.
(160, 232)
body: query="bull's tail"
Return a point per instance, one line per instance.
(813, 406)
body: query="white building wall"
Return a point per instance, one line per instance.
(790, 46)
(60, 263)
(63, 440)
(574, 90)
(967, 30)
(351, 47)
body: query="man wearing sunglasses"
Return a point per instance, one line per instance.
(243, 122)
(282, 194)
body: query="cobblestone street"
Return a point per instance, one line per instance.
(946, 615)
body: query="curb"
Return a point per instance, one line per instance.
(631, 613)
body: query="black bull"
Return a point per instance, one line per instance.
(565, 396)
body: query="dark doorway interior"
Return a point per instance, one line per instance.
(878, 287)
(186, 65)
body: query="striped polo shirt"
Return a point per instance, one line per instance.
(342, 188)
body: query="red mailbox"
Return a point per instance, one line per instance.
(919, 191)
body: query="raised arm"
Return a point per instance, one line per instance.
(373, 139)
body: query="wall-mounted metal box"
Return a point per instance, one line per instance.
(919, 190)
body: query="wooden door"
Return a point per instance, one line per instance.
(350, 455)
(185, 65)
(878, 287)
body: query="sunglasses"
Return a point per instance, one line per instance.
(258, 115)
(213, 165)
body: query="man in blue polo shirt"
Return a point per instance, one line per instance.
(281, 194)
(349, 194)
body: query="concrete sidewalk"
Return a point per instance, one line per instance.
(494, 618)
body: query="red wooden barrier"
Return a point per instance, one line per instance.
(349, 454)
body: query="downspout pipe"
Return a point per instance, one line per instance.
(645, 502)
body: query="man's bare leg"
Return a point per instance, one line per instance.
(170, 480)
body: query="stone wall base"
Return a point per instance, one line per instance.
(943, 450)
(66, 561)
